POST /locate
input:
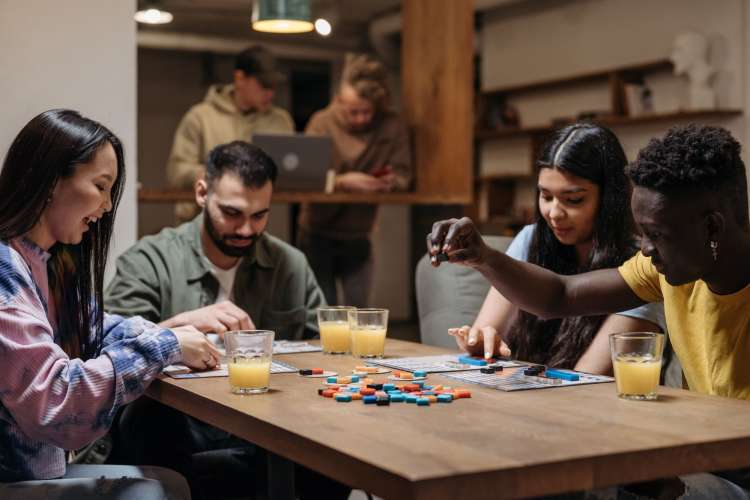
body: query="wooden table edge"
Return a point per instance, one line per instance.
(541, 479)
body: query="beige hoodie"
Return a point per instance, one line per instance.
(216, 120)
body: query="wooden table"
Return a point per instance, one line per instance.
(494, 445)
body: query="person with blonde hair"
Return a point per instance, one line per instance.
(371, 154)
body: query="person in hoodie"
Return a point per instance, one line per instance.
(228, 113)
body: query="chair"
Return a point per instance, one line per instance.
(450, 296)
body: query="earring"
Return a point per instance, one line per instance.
(714, 249)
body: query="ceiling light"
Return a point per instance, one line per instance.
(282, 16)
(323, 27)
(152, 15)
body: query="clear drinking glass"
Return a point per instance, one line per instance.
(249, 355)
(335, 333)
(369, 327)
(636, 358)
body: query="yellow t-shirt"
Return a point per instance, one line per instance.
(710, 333)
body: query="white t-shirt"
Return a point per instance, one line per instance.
(225, 277)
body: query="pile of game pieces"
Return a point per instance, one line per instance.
(384, 394)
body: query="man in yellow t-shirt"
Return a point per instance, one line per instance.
(690, 202)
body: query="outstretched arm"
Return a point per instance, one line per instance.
(530, 287)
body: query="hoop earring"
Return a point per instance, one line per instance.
(714, 249)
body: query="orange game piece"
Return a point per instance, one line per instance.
(367, 391)
(366, 369)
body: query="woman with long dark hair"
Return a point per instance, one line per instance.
(583, 223)
(66, 366)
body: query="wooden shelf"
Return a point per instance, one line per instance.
(677, 116)
(172, 196)
(625, 71)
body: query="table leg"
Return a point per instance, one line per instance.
(280, 480)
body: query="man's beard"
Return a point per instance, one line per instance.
(221, 241)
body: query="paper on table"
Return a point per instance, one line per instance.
(279, 346)
(181, 371)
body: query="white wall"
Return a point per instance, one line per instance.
(77, 54)
(545, 40)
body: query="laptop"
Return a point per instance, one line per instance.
(302, 160)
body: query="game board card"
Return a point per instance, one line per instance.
(513, 379)
(434, 364)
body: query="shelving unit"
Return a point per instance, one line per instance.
(495, 191)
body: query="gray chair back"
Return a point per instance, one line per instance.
(450, 296)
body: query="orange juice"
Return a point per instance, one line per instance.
(368, 342)
(637, 376)
(335, 336)
(249, 375)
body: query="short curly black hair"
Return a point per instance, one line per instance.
(694, 158)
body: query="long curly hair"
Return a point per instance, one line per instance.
(592, 152)
(368, 78)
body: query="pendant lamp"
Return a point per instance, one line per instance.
(282, 16)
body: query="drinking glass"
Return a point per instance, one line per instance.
(249, 355)
(335, 333)
(636, 358)
(368, 332)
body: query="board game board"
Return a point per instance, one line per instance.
(182, 371)
(513, 379)
(433, 364)
(279, 346)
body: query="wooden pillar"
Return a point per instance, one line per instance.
(437, 68)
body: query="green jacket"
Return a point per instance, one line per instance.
(166, 274)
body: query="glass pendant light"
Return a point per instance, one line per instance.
(282, 16)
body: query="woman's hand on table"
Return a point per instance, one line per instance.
(484, 341)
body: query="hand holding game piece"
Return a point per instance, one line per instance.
(459, 239)
(467, 338)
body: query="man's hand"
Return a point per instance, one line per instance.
(467, 338)
(362, 182)
(218, 318)
(456, 240)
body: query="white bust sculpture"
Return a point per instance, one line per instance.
(689, 57)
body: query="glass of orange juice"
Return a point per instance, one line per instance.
(636, 358)
(335, 333)
(368, 332)
(249, 360)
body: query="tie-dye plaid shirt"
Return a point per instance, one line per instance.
(48, 402)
